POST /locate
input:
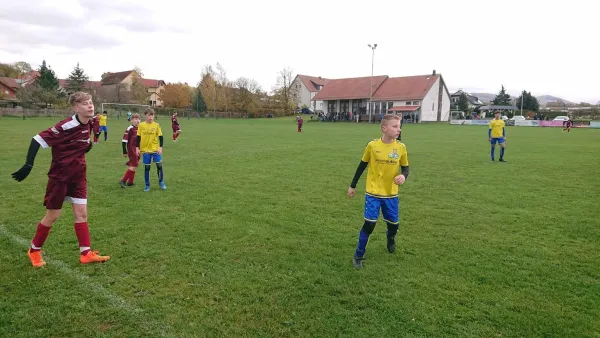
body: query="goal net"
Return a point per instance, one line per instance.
(120, 110)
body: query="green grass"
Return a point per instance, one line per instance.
(255, 235)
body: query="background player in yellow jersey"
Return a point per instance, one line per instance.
(497, 134)
(103, 126)
(388, 167)
(150, 145)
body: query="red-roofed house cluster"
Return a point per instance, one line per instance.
(422, 98)
(110, 82)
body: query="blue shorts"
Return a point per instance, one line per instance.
(500, 140)
(388, 206)
(147, 158)
(104, 128)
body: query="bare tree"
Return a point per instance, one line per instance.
(284, 93)
(246, 95)
(224, 88)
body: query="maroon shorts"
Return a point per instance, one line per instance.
(176, 129)
(58, 192)
(134, 161)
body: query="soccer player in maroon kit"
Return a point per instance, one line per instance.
(175, 126)
(70, 141)
(300, 123)
(568, 125)
(95, 121)
(128, 143)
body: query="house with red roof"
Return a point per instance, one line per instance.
(421, 98)
(125, 79)
(305, 88)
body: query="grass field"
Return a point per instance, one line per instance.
(255, 236)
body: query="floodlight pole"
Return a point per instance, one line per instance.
(371, 88)
(522, 96)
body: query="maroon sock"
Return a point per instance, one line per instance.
(40, 237)
(131, 177)
(83, 237)
(126, 176)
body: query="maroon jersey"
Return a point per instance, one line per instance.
(300, 122)
(174, 122)
(95, 124)
(130, 137)
(569, 124)
(69, 139)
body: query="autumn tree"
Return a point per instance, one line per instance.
(8, 70)
(208, 88)
(139, 92)
(177, 95)
(284, 94)
(77, 80)
(245, 97)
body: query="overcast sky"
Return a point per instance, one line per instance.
(545, 47)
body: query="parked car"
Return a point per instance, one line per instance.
(561, 118)
(518, 118)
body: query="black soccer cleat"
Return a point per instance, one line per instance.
(122, 184)
(130, 184)
(391, 245)
(358, 261)
(502, 160)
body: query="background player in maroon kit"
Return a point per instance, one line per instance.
(175, 126)
(95, 121)
(568, 125)
(300, 123)
(70, 141)
(129, 151)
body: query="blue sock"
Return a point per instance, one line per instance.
(147, 177)
(501, 153)
(363, 239)
(492, 153)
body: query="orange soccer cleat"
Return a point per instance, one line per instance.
(92, 257)
(36, 258)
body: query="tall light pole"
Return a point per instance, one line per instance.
(522, 96)
(371, 90)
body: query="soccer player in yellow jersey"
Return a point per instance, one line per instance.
(388, 168)
(150, 145)
(497, 134)
(103, 126)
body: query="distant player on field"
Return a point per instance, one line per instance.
(175, 126)
(103, 126)
(70, 141)
(129, 150)
(149, 143)
(497, 134)
(300, 123)
(96, 127)
(129, 116)
(388, 168)
(568, 125)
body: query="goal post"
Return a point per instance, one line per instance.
(122, 108)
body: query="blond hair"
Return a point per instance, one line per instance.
(79, 97)
(135, 116)
(389, 117)
(149, 111)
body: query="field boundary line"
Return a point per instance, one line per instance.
(115, 300)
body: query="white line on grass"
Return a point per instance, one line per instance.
(114, 299)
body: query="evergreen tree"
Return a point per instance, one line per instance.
(502, 99)
(47, 79)
(463, 102)
(530, 102)
(198, 101)
(77, 80)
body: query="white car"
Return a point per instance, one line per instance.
(518, 118)
(561, 118)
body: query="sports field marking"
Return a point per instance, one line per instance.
(114, 300)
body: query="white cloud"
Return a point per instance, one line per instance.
(543, 47)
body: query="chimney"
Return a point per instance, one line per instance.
(434, 72)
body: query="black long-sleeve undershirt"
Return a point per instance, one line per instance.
(138, 139)
(363, 165)
(34, 146)
(124, 144)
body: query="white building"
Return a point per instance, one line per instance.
(422, 98)
(305, 88)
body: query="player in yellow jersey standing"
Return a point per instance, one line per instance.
(497, 134)
(388, 168)
(103, 126)
(150, 145)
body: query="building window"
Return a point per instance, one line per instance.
(331, 106)
(433, 106)
(344, 106)
(408, 103)
(390, 105)
(417, 103)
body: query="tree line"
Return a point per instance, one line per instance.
(214, 92)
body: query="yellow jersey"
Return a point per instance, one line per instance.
(496, 128)
(149, 133)
(384, 161)
(103, 120)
